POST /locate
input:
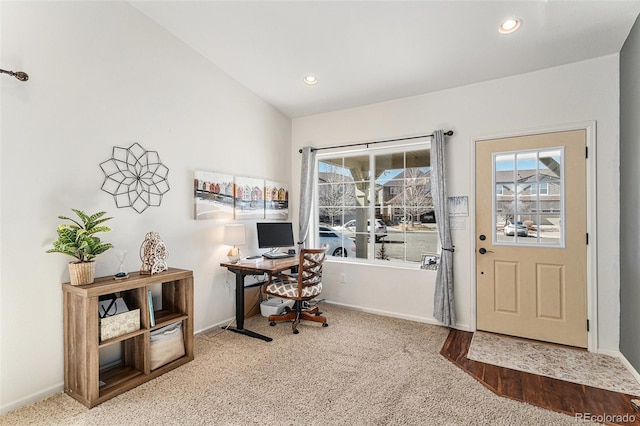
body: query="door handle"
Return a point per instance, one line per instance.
(484, 250)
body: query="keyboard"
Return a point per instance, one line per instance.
(277, 255)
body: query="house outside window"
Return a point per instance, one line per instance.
(376, 205)
(529, 193)
(541, 188)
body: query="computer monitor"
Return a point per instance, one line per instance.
(275, 234)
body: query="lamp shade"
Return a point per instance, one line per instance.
(233, 235)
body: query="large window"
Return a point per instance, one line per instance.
(377, 205)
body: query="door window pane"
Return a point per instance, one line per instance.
(528, 197)
(550, 230)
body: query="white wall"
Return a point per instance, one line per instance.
(568, 94)
(103, 75)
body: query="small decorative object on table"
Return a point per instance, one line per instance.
(153, 254)
(430, 261)
(121, 255)
(78, 240)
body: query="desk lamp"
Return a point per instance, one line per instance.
(234, 235)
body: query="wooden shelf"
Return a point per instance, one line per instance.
(82, 375)
(114, 377)
(121, 338)
(165, 318)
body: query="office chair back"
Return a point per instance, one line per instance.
(305, 286)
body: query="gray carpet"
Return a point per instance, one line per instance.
(363, 369)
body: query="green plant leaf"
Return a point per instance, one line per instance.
(98, 229)
(77, 239)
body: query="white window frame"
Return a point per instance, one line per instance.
(372, 152)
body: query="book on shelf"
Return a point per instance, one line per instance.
(152, 316)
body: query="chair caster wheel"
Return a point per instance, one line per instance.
(324, 324)
(272, 323)
(296, 331)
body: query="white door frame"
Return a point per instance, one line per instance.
(592, 265)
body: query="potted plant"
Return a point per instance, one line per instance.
(78, 240)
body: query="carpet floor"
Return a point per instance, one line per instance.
(555, 361)
(363, 369)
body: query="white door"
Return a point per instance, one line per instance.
(531, 247)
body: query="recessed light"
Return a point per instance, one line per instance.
(509, 26)
(310, 79)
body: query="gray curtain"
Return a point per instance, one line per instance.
(307, 175)
(443, 305)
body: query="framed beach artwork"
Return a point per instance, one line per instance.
(213, 195)
(249, 198)
(430, 261)
(276, 200)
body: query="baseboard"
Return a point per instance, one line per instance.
(427, 320)
(34, 397)
(415, 318)
(629, 367)
(609, 352)
(625, 362)
(463, 327)
(220, 324)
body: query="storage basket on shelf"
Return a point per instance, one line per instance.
(167, 344)
(116, 319)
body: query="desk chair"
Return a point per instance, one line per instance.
(301, 288)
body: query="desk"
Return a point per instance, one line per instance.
(241, 270)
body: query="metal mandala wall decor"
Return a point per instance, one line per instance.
(135, 177)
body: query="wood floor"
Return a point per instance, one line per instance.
(565, 397)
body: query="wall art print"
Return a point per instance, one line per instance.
(224, 196)
(213, 195)
(458, 206)
(249, 198)
(276, 200)
(135, 177)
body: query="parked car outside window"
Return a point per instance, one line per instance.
(380, 228)
(339, 244)
(510, 229)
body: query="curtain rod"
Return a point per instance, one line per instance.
(447, 133)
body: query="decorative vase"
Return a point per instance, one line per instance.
(82, 273)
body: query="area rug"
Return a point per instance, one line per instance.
(555, 361)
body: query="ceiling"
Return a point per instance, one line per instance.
(363, 52)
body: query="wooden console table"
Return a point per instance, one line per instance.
(84, 379)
